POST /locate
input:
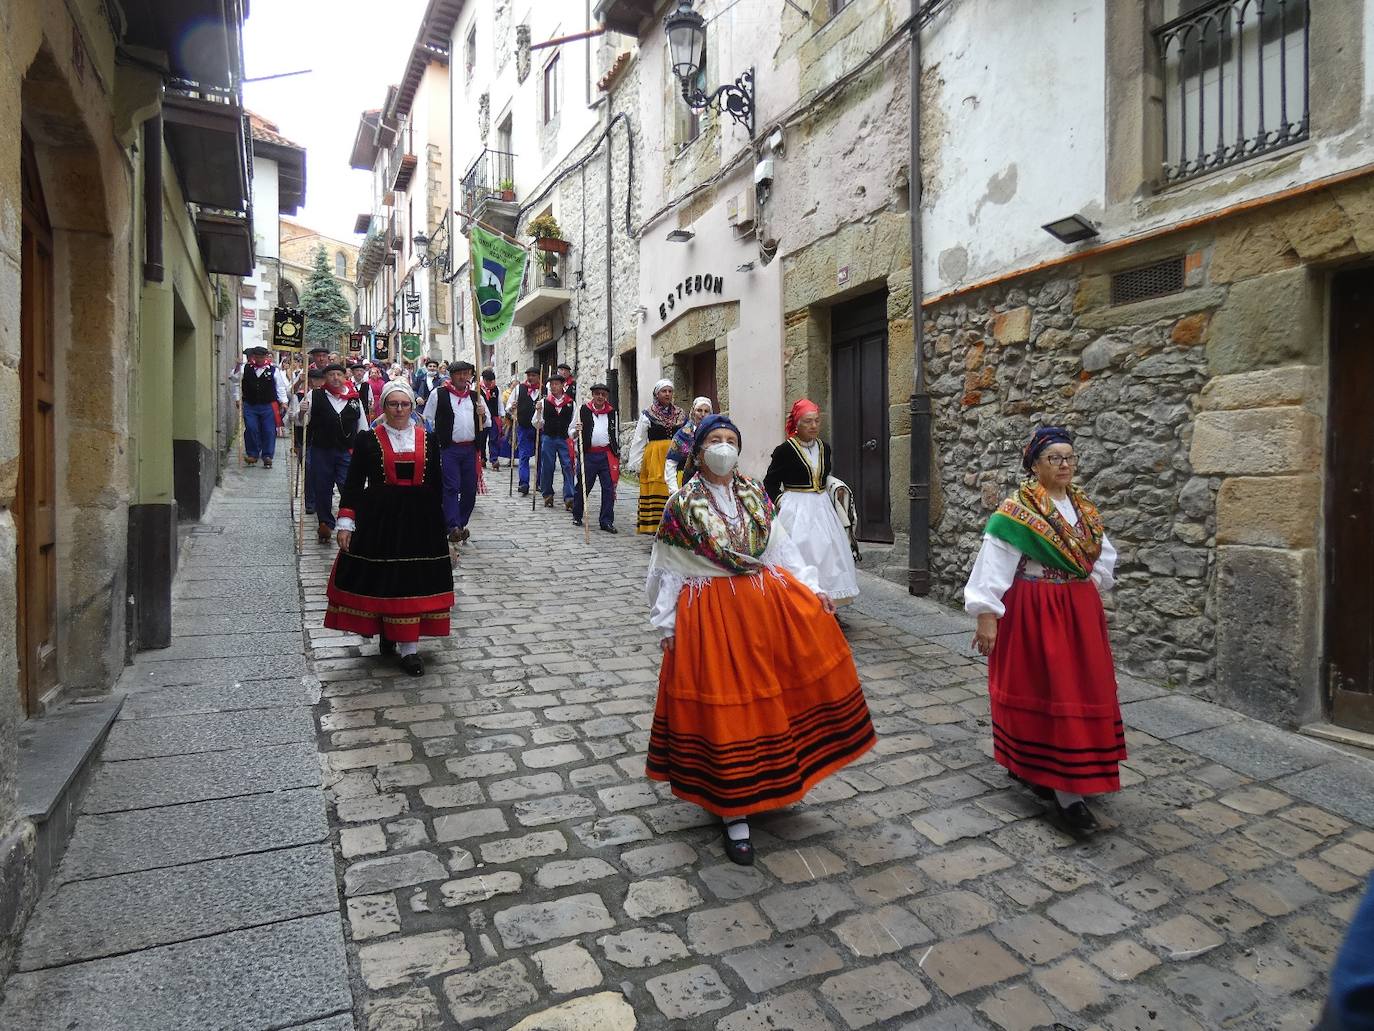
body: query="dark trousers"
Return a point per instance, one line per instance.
(259, 431)
(524, 449)
(483, 440)
(458, 463)
(598, 472)
(553, 451)
(326, 469)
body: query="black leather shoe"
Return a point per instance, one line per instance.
(386, 649)
(577, 522)
(413, 664)
(1078, 818)
(739, 852)
(609, 529)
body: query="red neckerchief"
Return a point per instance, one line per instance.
(559, 403)
(461, 395)
(258, 365)
(487, 391)
(532, 392)
(348, 393)
(592, 406)
(389, 458)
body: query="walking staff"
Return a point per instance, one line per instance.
(582, 480)
(538, 421)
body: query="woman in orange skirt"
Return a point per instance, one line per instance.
(1056, 724)
(758, 697)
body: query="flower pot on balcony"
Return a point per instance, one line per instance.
(553, 246)
(508, 196)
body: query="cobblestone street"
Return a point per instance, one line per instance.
(505, 863)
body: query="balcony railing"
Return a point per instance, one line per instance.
(1235, 83)
(401, 164)
(482, 181)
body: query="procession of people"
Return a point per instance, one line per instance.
(758, 697)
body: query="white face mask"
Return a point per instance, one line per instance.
(721, 458)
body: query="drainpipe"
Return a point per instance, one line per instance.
(612, 374)
(918, 491)
(152, 199)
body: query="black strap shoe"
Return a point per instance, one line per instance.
(413, 664)
(739, 852)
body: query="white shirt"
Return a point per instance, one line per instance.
(997, 562)
(464, 429)
(601, 430)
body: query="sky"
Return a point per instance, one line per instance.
(356, 49)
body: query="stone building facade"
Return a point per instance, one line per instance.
(105, 277)
(1191, 343)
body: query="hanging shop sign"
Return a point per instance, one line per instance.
(355, 343)
(412, 304)
(410, 346)
(702, 284)
(381, 347)
(288, 329)
(249, 314)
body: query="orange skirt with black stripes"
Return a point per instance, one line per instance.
(758, 700)
(1055, 717)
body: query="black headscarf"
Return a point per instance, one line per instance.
(1041, 439)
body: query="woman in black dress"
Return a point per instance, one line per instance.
(393, 575)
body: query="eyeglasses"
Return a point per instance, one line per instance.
(398, 404)
(1060, 461)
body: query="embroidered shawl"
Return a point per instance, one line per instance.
(669, 416)
(681, 448)
(690, 522)
(1029, 522)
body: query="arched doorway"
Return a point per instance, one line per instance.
(37, 501)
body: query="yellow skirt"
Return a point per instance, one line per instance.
(653, 489)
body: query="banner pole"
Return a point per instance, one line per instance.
(582, 477)
(538, 435)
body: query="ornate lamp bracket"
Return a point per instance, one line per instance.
(735, 99)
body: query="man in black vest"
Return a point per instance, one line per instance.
(357, 371)
(488, 440)
(600, 432)
(554, 419)
(457, 414)
(262, 386)
(333, 417)
(526, 397)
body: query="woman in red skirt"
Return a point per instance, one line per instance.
(1056, 723)
(758, 697)
(393, 575)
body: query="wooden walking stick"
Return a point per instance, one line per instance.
(538, 435)
(305, 447)
(582, 479)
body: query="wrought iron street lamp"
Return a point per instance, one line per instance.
(423, 257)
(686, 32)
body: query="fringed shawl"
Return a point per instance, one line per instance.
(1030, 522)
(691, 523)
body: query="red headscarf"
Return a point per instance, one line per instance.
(800, 410)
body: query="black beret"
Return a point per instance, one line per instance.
(334, 367)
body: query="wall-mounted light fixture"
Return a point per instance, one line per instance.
(1071, 229)
(686, 31)
(681, 236)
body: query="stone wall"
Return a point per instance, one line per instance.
(1009, 359)
(1199, 418)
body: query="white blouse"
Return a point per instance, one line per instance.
(667, 578)
(997, 563)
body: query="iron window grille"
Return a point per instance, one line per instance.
(484, 177)
(1235, 82)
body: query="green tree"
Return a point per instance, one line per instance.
(328, 316)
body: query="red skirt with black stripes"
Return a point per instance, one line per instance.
(758, 700)
(1055, 717)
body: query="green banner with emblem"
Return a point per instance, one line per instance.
(498, 266)
(410, 346)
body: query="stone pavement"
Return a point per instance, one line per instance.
(199, 890)
(507, 865)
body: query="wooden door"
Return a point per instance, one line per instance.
(858, 411)
(703, 373)
(1349, 560)
(37, 522)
